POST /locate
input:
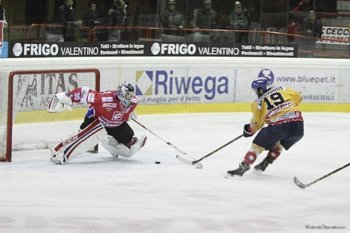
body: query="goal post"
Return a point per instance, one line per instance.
(25, 122)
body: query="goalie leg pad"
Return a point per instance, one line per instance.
(138, 144)
(110, 144)
(78, 143)
(119, 149)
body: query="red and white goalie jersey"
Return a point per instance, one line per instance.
(105, 106)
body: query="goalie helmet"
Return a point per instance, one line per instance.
(125, 92)
(261, 85)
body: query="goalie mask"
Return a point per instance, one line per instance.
(125, 93)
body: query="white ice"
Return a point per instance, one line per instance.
(99, 194)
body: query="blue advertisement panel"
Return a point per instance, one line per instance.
(4, 50)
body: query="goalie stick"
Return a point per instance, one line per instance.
(303, 186)
(168, 143)
(193, 162)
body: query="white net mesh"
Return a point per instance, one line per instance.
(33, 127)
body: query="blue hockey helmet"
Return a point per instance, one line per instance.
(261, 85)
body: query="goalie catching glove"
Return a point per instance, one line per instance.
(60, 102)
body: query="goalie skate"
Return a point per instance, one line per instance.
(58, 158)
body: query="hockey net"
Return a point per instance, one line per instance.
(24, 96)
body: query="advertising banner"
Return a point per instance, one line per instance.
(72, 49)
(4, 50)
(173, 80)
(334, 35)
(34, 91)
(213, 49)
(164, 85)
(206, 84)
(316, 85)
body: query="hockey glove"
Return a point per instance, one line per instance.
(247, 131)
(61, 101)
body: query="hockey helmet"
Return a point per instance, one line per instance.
(261, 85)
(125, 92)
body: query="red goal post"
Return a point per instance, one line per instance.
(24, 96)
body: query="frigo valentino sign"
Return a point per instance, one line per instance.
(73, 49)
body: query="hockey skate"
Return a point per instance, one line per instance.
(243, 167)
(261, 167)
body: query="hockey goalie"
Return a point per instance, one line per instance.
(105, 122)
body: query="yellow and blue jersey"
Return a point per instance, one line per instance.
(276, 106)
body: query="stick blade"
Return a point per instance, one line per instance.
(298, 183)
(189, 161)
(184, 160)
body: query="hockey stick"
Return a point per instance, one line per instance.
(168, 143)
(193, 162)
(301, 185)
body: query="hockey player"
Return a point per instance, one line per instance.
(105, 121)
(276, 107)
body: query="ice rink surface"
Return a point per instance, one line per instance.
(99, 194)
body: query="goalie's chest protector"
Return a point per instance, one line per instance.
(109, 110)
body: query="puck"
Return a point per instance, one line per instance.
(199, 166)
(157, 162)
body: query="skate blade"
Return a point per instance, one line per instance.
(229, 176)
(257, 172)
